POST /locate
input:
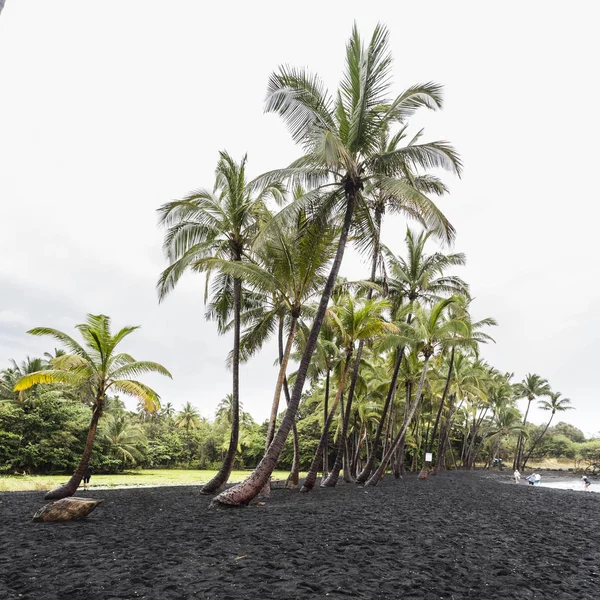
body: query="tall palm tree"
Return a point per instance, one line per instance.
(221, 224)
(531, 387)
(555, 404)
(97, 367)
(340, 136)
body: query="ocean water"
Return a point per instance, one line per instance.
(571, 484)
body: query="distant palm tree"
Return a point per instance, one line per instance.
(96, 366)
(125, 439)
(188, 418)
(223, 225)
(556, 404)
(9, 378)
(531, 387)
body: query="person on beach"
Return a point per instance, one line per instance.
(86, 478)
(517, 476)
(531, 479)
(586, 483)
(538, 478)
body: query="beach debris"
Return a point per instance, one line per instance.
(240, 557)
(67, 509)
(261, 504)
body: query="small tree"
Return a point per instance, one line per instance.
(95, 367)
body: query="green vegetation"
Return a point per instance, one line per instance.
(147, 477)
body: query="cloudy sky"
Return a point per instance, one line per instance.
(109, 109)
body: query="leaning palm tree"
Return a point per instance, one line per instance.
(531, 387)
(555, 404)
(97, 368)
(339, 135)
(221, 224)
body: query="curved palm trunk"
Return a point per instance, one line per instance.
(342, 449)
(294, 476)
(242, 494)
(424, 474)
(69, 488)
(220, 479)
(374, 479)
(284, 357)
(364, 474)
(526, 459)
(311, 476)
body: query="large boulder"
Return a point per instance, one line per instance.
(67, 509)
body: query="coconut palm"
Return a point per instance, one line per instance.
(188, 418)
(531, 387)
(98, 368)
(340, 136)
(221, 224)
(555, 404)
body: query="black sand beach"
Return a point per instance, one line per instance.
(458, 535)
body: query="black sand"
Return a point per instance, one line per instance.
(458, 535)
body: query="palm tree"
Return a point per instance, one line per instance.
(98, 368)
(220, 225)
(556, 404)
(9, 378)
(125, 439)
(340, 138)
(188, 418)
(531, 387)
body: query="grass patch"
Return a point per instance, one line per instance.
(150, 477)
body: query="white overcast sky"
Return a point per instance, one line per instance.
(110, 108)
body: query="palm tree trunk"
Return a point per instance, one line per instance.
(332, 480)
(283, 363)
(311, 476)
(364, 474)
(425, 470)
(220, 479)
(69, 488)
(521, 440)
(374, 479)
(325, 413)
(242, 494)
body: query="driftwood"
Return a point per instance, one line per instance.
(67, 509)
